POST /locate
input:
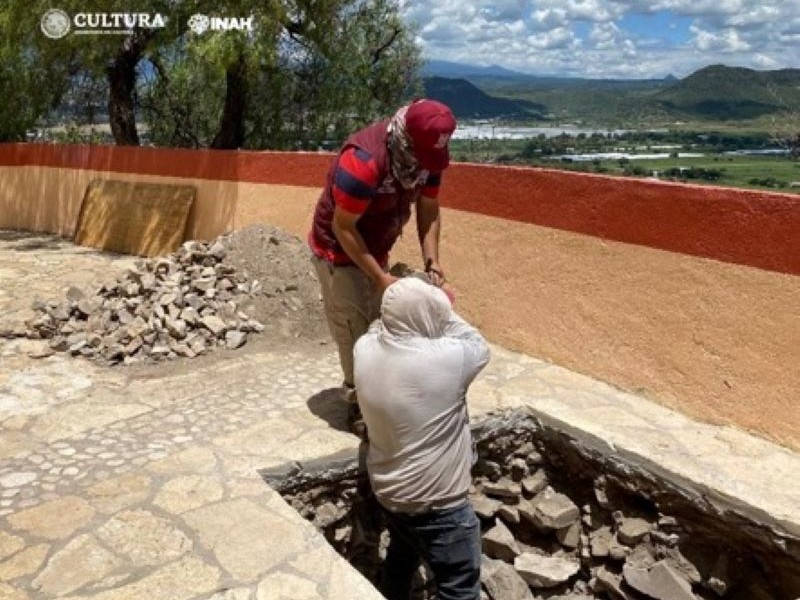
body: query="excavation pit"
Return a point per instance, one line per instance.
(561, 520)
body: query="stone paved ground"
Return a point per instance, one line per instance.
(143, 483)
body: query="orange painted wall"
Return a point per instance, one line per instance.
(687, 294)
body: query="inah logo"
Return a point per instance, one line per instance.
(55, 23)
(199, 23)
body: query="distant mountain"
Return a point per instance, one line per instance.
(443, 68)
(467, 101)
(721, 92)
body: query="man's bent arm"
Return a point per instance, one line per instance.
(344, 228)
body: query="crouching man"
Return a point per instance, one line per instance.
(412, 371)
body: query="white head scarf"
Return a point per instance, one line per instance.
(411, 307)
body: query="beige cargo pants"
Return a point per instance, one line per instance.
(351, 303)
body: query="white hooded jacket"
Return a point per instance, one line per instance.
(412, 371)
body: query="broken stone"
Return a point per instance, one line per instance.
(631, 531)
(499, 542)
(611, 584)
(545, 571)
(235, 339)
(661, 582)
(486, 508)
(535, 483)
(599, 542)
(550, 510)
(502, 582)
(570, 536)
(214, 324)
(503, 488)
(509, 514)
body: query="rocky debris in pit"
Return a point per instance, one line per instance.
(538, 545)
(205, 295)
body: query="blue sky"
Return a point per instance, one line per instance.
(609, 38)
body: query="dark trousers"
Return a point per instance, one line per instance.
(449, 541)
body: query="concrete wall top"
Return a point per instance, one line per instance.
(746, 227)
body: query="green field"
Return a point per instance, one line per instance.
(773, 173)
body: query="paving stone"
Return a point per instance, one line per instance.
(7, 592)
(15, 480)
(82, 561)
(113, 495)
(246, 539)
(502, 582)
(232, 594)
(545, 571)
(24, 562)
(285, 586)
(143, 538)
(54, 520)
(184, 579)
(188, 492)
(9, 544)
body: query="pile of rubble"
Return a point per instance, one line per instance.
(539, 541)
(180, 305)
(559, 523)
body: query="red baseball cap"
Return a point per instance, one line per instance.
(430, 124)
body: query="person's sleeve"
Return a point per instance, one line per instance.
(476, 350)
(355, 181)
(431, 187)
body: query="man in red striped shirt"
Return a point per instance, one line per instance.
(379, 173)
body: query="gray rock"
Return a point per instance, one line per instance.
(502, 582)
(235, 339)
(600, 492)
(631, 531)
(610, 584)
(599, 542)
(569, 536)
(499, 542)
(660, 582)
(486, 508)
(177, 328)
(509, 514)
(551, 510)
(535, 483)
(534, 459)
(214, 324)
(502, 488)
(75, 294)
(545, 571)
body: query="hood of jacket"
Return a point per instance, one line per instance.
(411, 307)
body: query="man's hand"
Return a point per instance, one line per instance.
(435, 273)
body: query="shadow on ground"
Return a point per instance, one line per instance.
(330, 406)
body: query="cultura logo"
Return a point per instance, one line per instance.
(55, 23)
(199, 24)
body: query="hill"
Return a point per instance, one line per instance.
(443, 68)
(721, 92)
(468, 101)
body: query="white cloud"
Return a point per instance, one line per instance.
(594, 38)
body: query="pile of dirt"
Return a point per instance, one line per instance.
(289, 305)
